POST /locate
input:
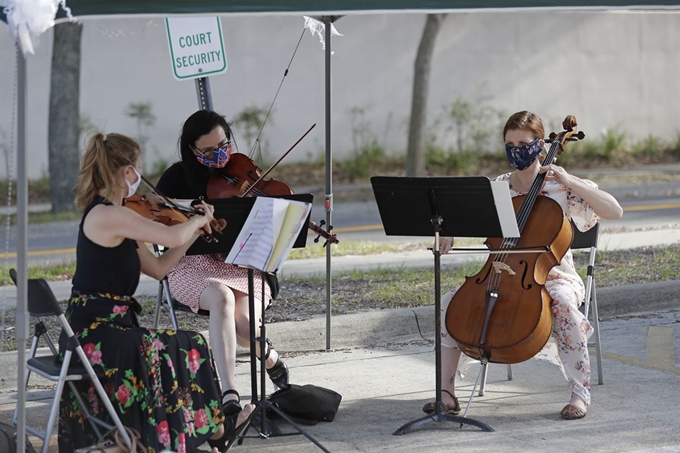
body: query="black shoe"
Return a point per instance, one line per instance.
(230, 408)
(279, 373)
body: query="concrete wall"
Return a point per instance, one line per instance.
(610, 69)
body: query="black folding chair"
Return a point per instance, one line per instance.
(165, 300)
(43, 304)
(582, 240)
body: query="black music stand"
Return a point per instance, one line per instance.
(461, 207)
(235, 211)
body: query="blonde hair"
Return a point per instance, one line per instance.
(104, 156)
(525, 121)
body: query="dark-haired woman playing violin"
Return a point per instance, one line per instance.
(585, 205)
(162, 383)
(206, 281)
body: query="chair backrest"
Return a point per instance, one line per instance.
(41, 300)
(587, 239)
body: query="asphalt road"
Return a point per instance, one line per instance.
(645, 206)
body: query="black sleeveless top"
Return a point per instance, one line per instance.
(113, 270)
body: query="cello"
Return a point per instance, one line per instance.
(503, 313)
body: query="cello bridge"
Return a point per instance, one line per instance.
(499, 267)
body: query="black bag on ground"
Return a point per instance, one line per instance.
(307, 404)
(8, 440)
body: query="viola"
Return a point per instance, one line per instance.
(503, 313)
(241, 177)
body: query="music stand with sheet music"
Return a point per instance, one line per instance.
(461, 207)
(236, 211)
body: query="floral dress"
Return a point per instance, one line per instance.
(161, 382)
(567, 347)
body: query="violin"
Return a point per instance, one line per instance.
(155, 208)
(241, 177)
(503, 314)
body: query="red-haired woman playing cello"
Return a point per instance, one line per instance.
(585, 205)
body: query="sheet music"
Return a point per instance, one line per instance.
(255, 246)
(504, 208)
(292, 222)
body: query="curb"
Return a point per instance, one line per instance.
(408, 324)
(402, 325)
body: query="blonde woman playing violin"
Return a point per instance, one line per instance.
(162, 383)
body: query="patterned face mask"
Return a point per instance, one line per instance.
(521, 157)
(220, 157)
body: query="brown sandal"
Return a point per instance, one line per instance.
(429, 408)
(571, 412)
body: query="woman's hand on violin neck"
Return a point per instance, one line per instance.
(445, 244)
(206, 218)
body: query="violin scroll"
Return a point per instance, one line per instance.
(330, 238)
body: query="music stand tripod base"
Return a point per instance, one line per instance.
(440, 417)
(262, 405)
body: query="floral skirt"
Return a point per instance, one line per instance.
(161, 382)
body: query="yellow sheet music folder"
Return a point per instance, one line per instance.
(269, 233)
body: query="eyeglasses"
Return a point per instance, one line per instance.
(210, 152)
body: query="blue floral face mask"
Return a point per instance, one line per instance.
(219, 158)
(521, 157)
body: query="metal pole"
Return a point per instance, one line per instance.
(203, 94)
(328, 201)
(22, 250)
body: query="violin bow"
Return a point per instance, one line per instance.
(169, 202)
(252, 186)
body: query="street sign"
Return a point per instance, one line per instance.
(196, 47)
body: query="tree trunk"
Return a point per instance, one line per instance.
(415, 154)
(63, 135)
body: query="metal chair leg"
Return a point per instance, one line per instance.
(598, 346)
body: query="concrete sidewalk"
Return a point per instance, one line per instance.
(383, 365)
(382, 362)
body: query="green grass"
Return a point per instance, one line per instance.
(53, 272)
(346, 248)
(385, 288)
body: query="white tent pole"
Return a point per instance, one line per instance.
(22, 248)
(328, 201)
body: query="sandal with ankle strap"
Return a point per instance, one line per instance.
(279, 373)
(454, 409)
(230, 408)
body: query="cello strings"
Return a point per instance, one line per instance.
(522, 217)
